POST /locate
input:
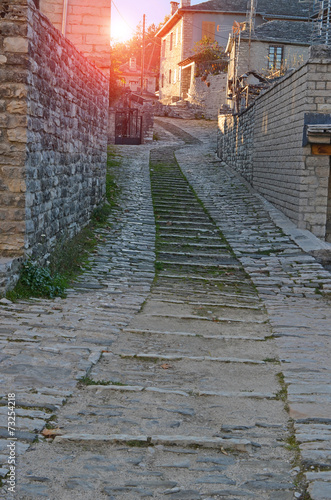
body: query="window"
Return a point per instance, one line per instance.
(162, 81)
(208, 30)
(171, 40)
(163, 48)
(275, 58)
(169, 75)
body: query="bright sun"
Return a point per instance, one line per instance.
(120, 31)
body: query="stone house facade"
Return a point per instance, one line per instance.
(86, 23)
(129, 76)
(188, 24)
(272, 49)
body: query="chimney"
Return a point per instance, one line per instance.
(173, 7)
(185, 3)
(133, 64)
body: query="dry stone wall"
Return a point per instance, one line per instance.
(210, 95)
(13, 125)
(235, 141)
(54, 114)
(278, 165)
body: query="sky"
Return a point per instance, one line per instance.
(132, 12)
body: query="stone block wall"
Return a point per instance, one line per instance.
(13, 125)
(211, 97)
(281, 168)
(87, 27)
(236, 140)
(54, 114)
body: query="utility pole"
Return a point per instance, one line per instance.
(143, 57)
(110, 47)
(251, 22)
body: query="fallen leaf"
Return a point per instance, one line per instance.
(223, 451)
(51, 432)
(166, 366)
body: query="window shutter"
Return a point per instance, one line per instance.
(208, 30)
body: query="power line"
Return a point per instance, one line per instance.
(114, 4)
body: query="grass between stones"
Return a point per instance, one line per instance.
(70, 256)
(86, 380)
(282, 393)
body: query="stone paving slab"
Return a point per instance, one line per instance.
(48, 345)
(88, 332)
(288, 288)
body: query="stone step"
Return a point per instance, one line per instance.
(198, 335)
(189, 393)
(202, 303)
(208, 310)
(222, 279)
(176, 357)
(184, 224)
(160, 291)
(242, 445)
(201, 326)
(198, 265)
(185, 238)
(190, 245)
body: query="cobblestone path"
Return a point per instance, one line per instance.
(186, 376)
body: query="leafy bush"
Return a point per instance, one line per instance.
(39, 282)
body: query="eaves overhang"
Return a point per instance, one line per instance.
(169, 24)
(274, 17)
(275, 40)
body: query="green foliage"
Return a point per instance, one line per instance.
(207, 50)
(70, 256)
(210, 58)
(86, 380)
(115, 90)
(122, 51)
(112, 189)
(38, 281)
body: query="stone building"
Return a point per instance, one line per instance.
(188, 24)
(269, 51)
(130, 77)
(86, 23)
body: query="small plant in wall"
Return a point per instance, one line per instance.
(37, 281)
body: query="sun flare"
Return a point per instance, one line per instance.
(120, 31)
